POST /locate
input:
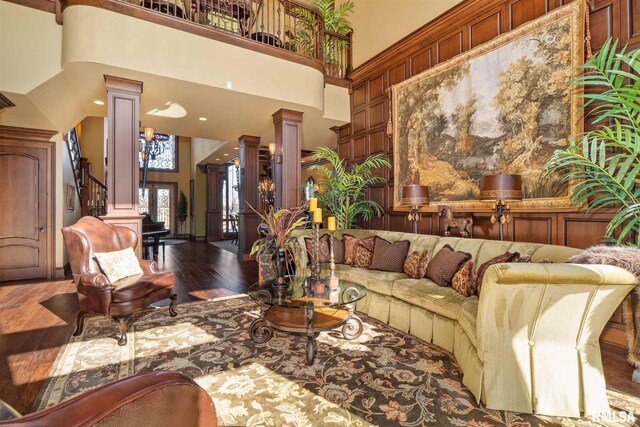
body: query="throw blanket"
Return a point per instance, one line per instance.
(627, 257)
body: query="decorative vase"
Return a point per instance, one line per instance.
(280, 257)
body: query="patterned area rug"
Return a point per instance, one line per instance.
(385, 377)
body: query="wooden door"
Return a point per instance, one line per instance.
(25, 220)
(159, 201)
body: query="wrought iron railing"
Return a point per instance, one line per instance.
(289, 25)
(93, 197)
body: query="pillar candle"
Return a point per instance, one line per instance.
(313, 204)
(331, 223)
(317, 216)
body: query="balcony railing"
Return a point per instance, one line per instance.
(288, 25)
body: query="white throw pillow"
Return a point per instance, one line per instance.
(117, 265)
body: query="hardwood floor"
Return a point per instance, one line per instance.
(37, 317)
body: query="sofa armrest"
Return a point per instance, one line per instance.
(158, 398)
(539, 324)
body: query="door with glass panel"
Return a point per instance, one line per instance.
(159, 201)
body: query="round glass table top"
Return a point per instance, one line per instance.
(300, 291)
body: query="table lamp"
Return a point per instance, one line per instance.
(414, 196)
(501, 188)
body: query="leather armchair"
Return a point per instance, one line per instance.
(96, 293)
(158, 398)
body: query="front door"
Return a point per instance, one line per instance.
(159, 201)
(23, 211)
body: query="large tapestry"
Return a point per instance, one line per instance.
(503, 107)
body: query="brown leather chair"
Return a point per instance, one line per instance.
(156, 399)
(121, 299)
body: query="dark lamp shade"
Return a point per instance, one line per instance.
(501, 187)
(414, 195)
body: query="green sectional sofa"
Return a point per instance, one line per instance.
(530, 343)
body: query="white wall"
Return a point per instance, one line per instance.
(63, 217)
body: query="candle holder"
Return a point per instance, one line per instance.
(313, 277)
(332, 279)
(316, 244)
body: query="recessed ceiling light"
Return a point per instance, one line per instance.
(98, 102)
(236, 148)
(203, 119)
(218, 159)
(304, 161)
(229, 84)
(225, 154)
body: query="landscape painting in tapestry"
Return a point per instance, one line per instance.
(501, 108)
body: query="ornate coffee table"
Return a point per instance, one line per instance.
(295, 309)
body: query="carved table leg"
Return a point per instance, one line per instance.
(259, 331)
(122, 325)
(352, 327)
(80, 323)
(172, 306)
(311, 335)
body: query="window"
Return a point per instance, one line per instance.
(166, 159)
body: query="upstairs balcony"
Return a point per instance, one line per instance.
(287, 29)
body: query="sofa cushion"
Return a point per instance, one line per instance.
(464, 281)
(389, 256)
(467, 318)
(445, 264)
(350, 242)
(363, 256)
(416, 264)
(426, 294)
(134, 287)
(376, 281)
(505, 257)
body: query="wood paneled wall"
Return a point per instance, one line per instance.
(468, 25)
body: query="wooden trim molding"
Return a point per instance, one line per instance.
(194, 28)
(40, 135)
(121, 84)
(44, 5)
(5, 102)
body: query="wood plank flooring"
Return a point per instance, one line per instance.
(37, 317)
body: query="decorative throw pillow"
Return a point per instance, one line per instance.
(464, 281)
(445, 264)
(363, 256)
(523, 258)
(505, 257)
(323, 248)
(350, 243)
(117, 265)
(338, 251)
(416, 264)
(389, 256)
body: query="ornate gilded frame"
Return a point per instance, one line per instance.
(575, 12)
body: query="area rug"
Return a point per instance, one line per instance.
(385, 377)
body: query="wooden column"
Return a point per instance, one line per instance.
(248, 220)
(122, 171)
(288, 135)
(214, 202)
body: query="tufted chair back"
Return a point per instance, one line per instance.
(90, 235)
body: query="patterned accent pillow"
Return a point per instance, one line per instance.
(445, 264)
(350, 243)
(266, 268)
(464, 281)
(338, 251)
(416, 264)
(117, 265)
(505, 257)
(389, 256)
(363, 256)
(323, 246)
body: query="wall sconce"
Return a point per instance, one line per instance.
(236, 163)
(272, 151)
(501, 188)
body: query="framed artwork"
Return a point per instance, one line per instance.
(503, 107)
(70, 198)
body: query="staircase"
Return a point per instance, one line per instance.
(91, 191)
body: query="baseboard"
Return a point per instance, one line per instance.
(59, 273)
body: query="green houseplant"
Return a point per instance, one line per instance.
(277, 245)
(604, 164)
(335, 19)
(181, 209)
(342, 188)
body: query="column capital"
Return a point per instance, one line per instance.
(120, 84)
(287, 115)
(249, 140)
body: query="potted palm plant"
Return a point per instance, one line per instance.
(604, 163)
(342, 188)
(335, 18)
(277, 245)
